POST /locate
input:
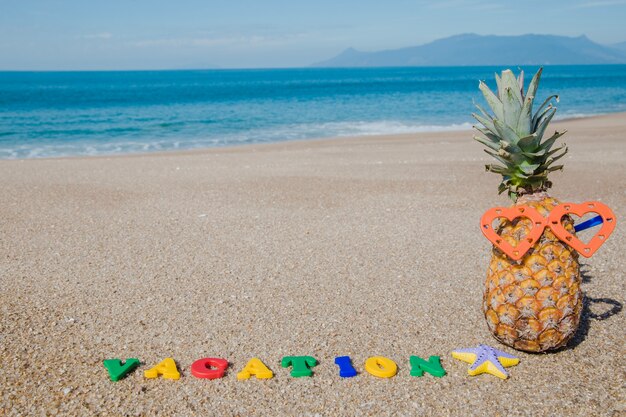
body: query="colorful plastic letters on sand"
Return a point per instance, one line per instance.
(381, 367)
(300, 365)
(433, 366)
(210, 368)
(167, 368)
(118, 371)
(485, 359)
(346, 370)
(257, 368)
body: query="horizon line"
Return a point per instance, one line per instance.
(310, 67)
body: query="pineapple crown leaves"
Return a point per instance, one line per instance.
(514, 136)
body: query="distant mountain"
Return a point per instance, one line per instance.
(621, 46)
(472, 49)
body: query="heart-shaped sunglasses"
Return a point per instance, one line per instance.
(604, 216)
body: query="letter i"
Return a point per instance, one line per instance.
(346, 370)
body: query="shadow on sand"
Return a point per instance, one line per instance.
(613, 307)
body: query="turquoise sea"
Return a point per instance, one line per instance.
(45, 114)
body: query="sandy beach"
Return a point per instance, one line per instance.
(354, 246)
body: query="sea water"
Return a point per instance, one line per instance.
(46, 114)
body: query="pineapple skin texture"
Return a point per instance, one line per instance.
(534, 304)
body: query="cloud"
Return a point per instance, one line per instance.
(235, 40)
(599, 3)
(102, 35)
(465, 4)
(182, 42)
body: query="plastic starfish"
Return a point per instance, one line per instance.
(486, 359)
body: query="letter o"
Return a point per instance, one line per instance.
(381, 367)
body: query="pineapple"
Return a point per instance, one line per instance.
(533, 304)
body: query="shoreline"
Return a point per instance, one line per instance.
(232, 147)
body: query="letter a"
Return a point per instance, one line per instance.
(257, 368)
(433, 366)
(167, 368)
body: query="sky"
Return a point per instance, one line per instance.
(183, 34)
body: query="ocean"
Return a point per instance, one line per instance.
(47, 114)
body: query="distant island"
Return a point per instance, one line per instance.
(472, 49)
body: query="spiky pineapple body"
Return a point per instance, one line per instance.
(533, 304)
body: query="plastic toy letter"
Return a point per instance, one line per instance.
(167, 368)
(300, 365)
(433, 366)
(118, 371)
(346, 370)
(257, 368)
(209, 368)
(381, 367)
